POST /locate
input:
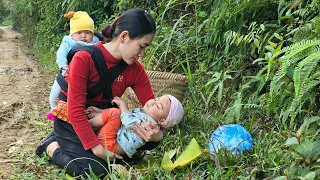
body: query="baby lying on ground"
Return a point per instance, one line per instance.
(116, 133)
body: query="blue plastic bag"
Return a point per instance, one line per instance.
(233, 137)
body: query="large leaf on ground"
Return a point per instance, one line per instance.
(191, 152)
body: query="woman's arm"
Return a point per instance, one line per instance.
(80, 70)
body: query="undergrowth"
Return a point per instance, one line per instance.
(254, 63)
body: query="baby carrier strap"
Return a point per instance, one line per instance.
(107, 76)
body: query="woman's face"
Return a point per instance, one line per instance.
(132, 49)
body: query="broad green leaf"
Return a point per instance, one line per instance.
(291, 141)
(310, 176)
(270, 48)
(308, 149)
(191, 152)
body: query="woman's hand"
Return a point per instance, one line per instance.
(151, 132)
(102, 153)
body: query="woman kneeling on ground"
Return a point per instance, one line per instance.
(74, 145)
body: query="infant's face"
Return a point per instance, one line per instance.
(158, 108)
(85, 36)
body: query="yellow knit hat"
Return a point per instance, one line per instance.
(80, 21)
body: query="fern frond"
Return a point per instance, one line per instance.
(233, 113)
(303, 70)
(298, 47)
(309, 86)
(295, 56)
(304, 12)
(277, 76)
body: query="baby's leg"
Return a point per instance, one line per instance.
(108, 132)
(104, 117)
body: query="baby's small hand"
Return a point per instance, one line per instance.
(121, 104)
(66, 68)
(117, 101)
(92, 111)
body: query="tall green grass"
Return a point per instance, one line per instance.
(229, 52)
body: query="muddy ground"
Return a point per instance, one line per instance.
(24, 92)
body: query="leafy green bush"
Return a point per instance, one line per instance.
(248, 62)
(3, 11)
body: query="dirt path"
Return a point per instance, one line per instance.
(23, 102)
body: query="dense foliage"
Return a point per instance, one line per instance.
(3, 11)
(250, 62)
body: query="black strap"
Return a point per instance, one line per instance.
(106, 76)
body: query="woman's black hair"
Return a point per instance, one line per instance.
(138, 22)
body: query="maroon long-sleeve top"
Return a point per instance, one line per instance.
(83, 74)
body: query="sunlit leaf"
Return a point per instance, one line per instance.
(166, 163)
(171, 153)
(191, 152)
(291, 141)
(272, 44)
